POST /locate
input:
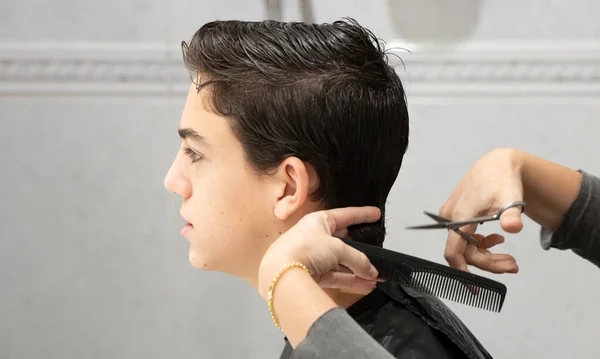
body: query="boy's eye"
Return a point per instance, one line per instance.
(193, 155)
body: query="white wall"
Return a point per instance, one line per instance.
(91, 263)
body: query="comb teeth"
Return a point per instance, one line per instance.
(455, 288)
(435, 279)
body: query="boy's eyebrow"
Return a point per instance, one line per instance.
(192, 135)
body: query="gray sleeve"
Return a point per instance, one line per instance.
(335, 335)
(580, 230)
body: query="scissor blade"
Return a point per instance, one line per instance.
(435, 217)
(476, 220)
(429, 226)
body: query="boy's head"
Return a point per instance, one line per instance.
(283, 119)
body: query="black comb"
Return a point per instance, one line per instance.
(434, 278)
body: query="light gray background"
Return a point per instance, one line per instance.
(91, 261)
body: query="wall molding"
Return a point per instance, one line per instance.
(475, 69)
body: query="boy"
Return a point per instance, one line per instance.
(284, 119)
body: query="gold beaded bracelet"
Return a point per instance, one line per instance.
(274, 282)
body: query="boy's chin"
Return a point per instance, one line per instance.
(199, 261)
(203, 261)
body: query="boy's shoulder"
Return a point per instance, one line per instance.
(404, 319)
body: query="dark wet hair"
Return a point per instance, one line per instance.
(324, 93)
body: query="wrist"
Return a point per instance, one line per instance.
(269, 266)
(297, 302)
(549, 189)
(290, 267)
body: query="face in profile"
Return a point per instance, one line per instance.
(232, 212)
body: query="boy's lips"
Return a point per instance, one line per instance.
(186, 228)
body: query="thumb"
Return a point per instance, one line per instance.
(511, 221)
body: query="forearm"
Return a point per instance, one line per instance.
(315, 326)
(298, 302)
(549, 189)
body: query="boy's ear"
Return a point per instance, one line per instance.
(295, 179)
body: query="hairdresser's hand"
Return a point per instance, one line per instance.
(312, 241)
(491, 183)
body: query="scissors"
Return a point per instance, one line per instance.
(447, 223)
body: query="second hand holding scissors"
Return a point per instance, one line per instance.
(447, 223)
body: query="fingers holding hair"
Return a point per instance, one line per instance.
(340, 219)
